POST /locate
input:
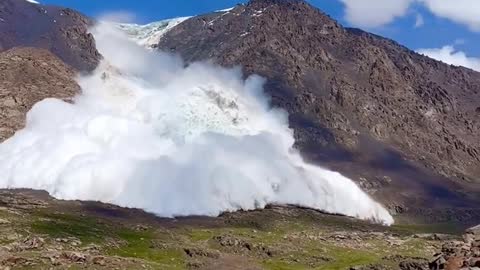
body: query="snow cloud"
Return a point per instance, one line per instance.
(148, 132)
(449, 55)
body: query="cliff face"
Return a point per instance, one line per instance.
(27, 76)
(399, 122)
(60, 30)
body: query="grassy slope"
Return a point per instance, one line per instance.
(279, 238)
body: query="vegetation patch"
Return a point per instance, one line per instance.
(88, 230)
(141, 245)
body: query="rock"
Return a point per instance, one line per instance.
(474, 230)
(454, 263)
(99, 260)
(437, 263)
(33, 243)
(4, 221)
(14, 261)
(414, 265)
(197, 252)
(71, 241)
(459, 254)
(75, 257)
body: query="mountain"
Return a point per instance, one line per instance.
(29, 75)
(62, 31)
(404, 125)
(41, 50)
(400, 124)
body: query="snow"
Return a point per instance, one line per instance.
(225, 10)
(150, 34)
(33, 2)
(150, 132)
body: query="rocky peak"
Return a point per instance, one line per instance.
(267, 3)
(298, 9)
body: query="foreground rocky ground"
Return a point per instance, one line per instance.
(38, 232)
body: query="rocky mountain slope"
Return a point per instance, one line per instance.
(62, 31)
(404, 125)
(41, 61)
(28, 75)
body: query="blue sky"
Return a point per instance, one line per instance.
(434, 30)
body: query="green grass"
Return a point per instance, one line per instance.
(164, 250)
(275, 264)
(139, 245)
(340, 259)
(200, 235)
(445, 228)
(88, 230)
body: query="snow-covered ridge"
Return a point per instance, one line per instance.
(150, 34)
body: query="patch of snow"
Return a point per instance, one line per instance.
(210, 23)
(258, 13)
(150, 34)
(2, 20)
(33, 2)
(225, 10)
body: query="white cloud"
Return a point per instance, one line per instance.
(465, 12)
(374, 13)
(449, 55)
(419, 22)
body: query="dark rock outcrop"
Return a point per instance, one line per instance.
(62, 31)
(359, 103)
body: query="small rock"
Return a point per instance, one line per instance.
(474, 230)
(75, 257)
(4, 221)
(99, 260)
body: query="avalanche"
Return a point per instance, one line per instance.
(149, 34)
(150, 133)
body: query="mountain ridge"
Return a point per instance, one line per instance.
(356, 102)
(62, 31)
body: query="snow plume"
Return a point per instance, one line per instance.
(148, 132)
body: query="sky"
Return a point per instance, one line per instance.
(447, 30)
